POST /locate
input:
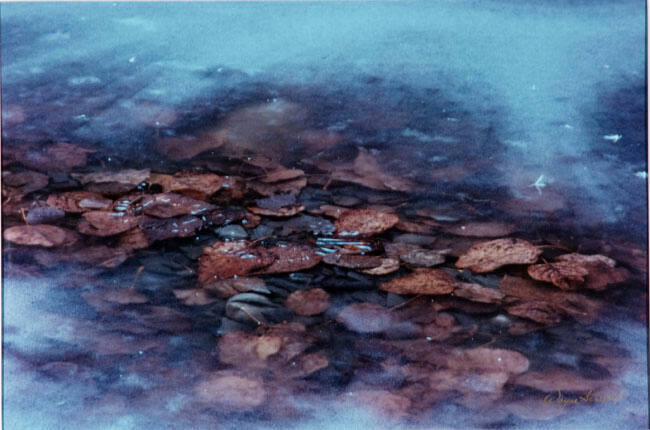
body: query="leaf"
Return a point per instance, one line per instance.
(541, 312)
(364, 222)
(424, 257)
(276, 201)
(60, 157)
(308, 302)
(223, 260)
(167, 205)
(282, 174)
(306, 223)
(384, 403)
(554, 380)
(133, 239)
(562, 274)
(482, 229)
(79, 201)
(292, 186)
(18, 184)
(194, 297)
(281, 212)
(233, 286)
(601, 270)
(196, 185)
(100, 255)
(290, 258)
(488, 256)
(366, 318)
(422, 281)
(478, 293)
(40, 235)
(231, 393)
(100, 223)
(352, 261)
(366, 171)
(131, 177)
(492, 359)
(186, 147)
(388, 265)
(305, 365)
(161, 229)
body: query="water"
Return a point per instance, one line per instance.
(538, 106)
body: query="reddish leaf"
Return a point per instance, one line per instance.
(366, 318)
(308, 302)
(388, 265)
(60, 157)
(488, 256)
(161, 229)
(99, 223)
(364, 222)
(291, 258)
(167, 205)
(18, 184)
(79, 201)
(194, 297)
(223, 260)
(352, 261)
(196, 185)
(280, 212)
(40, 235)
(422, 281)
(230, 287)
(231, 393)
(113, 182)
(478, 293)
(562, 274)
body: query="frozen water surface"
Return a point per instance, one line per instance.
(538, 106)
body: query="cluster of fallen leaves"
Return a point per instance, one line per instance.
(101, 218)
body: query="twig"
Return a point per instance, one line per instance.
(412, 299)
(243, 309)
(137, 275)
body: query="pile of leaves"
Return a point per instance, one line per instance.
(286, 259)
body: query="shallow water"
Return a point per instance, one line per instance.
(526, 113)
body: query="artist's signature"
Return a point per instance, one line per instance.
(588, 397)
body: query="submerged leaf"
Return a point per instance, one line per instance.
(100, 223)
(196, 185)
(308, 302)
(422, 281)
(40, 235)
(223, 260)
(167, 205)
(233, 286)
(364, 222)
(366, 318)
(79, 201)
(488, 256)
(564, 275)
(231, 393)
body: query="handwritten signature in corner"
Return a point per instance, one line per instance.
(588, 397)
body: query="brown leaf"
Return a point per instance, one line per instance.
(541, 312)
(578, 306)
(292, 186)
(100, 255)
(233, 286)
(186, 147)
(555, 380)
(290, 258)
(305, 365)
(562, 274)
(79, 201)
(422, 281)
(422, 226)
(364, 222)
(424, 257)
(100, 223)
(196, 185)
(194, 297)
(282, 174)
(384, 403)
(478, 293)
(161, 229)
(223, 260)
(280, 212)
(308, 302)
(40, 235)
(18, 184)
(388, 265)
(230, 392)
(488, 256)
(60, 157)
(167, 205)
(329, 210)
(352, 261)
(482, 229)
(107, 300)
(112, 182)
(492, 359)
(601, 270)
(366, 318)
(366, 171)
(133, 239)
(441, 328)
